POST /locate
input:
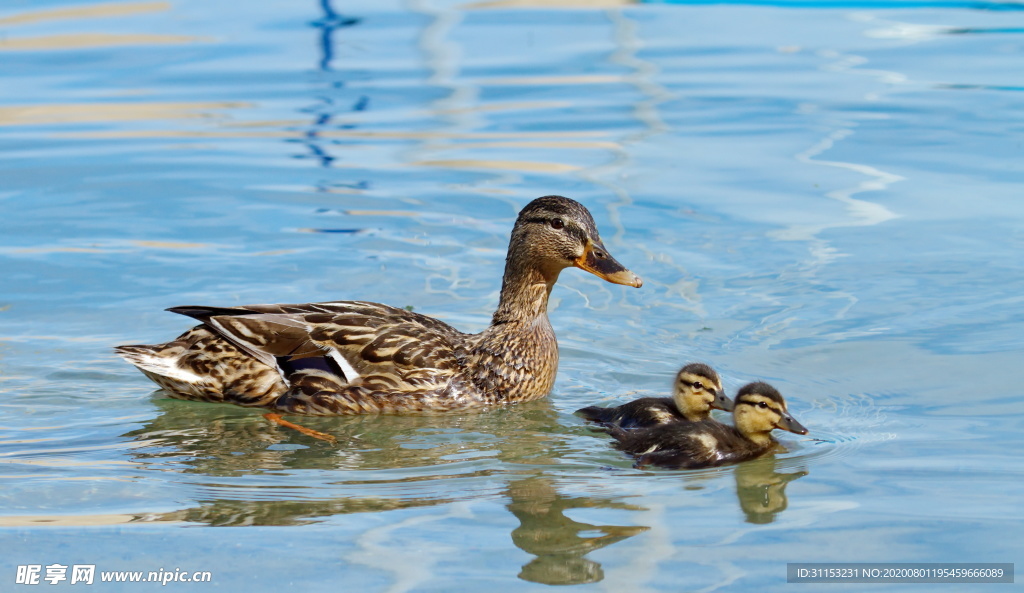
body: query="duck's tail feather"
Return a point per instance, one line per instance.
(165, 372)
(150, 361)
(202, 313)
(199, 365)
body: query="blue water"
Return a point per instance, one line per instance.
(822, 195)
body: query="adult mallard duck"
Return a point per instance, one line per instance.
(758, 409)
(354, 357)
(695, 391)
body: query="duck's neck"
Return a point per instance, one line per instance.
(524, 295)
(516, 358)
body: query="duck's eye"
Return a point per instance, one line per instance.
(698, 385)
(762, 404)
(557, 224)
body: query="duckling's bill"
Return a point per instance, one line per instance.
(599, 262)
(723, 402)
(789, 423)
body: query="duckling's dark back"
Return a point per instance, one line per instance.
(688, 446)
(640, 413)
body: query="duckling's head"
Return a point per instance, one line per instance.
(698, 389)
(759, 409)
(553, 233)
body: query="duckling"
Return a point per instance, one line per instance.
(355, 357)
(758, 409)
(696, 390)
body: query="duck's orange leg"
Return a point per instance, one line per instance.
(316, 434)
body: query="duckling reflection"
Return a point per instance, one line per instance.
(558, 542)
(761, 489)
(544, 530)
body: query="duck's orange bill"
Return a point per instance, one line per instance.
(599, 262)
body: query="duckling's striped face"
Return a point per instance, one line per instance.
(557, 233)
(697, 390)
(761, 409)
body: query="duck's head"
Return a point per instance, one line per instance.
(698, 389)
(553, 233)
(759, 409)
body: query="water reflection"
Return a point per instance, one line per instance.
(761, 490)
(328, 24)
(67, 41)
(245, 513)
(86, 11)
(559, 543)
(442, 460)
(439, 460)
(331, 100)
(221, 440)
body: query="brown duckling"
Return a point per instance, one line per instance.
(758, 409)
(696, 390)
(354, 357)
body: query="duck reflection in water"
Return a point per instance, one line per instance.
(558, 542)
(226, 441)
(761, 490)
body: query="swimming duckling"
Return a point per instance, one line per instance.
(758, 409)
(696, 390)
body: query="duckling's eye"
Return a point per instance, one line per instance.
(698, 385)
(557, 224)
(762, 405)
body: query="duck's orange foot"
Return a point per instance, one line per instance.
(316, 434)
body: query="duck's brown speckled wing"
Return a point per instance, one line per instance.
(348, 354)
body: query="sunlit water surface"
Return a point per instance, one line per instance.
(826, 197)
